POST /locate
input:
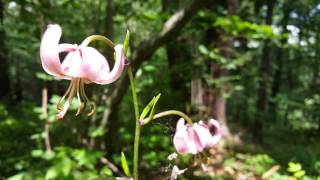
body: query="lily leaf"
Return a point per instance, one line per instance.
(124, 165)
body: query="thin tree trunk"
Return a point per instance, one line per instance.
(109, 27)
(277, 77)
(263, 86)
(197, 92)
(4, 72)
(45, 112)
(178, 76)
(112, 125)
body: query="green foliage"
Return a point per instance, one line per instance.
(124, 165)
(65, 163)
(258, 164)
(296, 170)
(237, 27)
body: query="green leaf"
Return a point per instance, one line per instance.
(20, 176)
(44, 77)
(152, 15)
(203, 50)
(299, 174)
(96, 132)
(66, 165)
(124, 165)
(294, 167)
(52, 173)
(126, 43)
(106, 171)
(37, 153)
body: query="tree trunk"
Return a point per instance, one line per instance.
(109, 118)
(216, 100)
(278, 74)
(4, 70)
(179, 75)
(263, 86)
(197, 92)
(109, 28)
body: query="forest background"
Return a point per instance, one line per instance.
(252, 65)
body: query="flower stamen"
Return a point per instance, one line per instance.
(80, 104)
(58, 104)
(86, 99)
(71, 92)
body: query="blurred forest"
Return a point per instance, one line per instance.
(252, 65)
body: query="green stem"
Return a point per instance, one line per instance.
(137, 129)
(173, 112)
(92, 38)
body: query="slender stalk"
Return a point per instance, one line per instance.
(137, 126)
(172, 112)
(92, 38)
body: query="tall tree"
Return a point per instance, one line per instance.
(264, 78)
(281, 55)
(177, 61)
(146, 49)
(216, 104)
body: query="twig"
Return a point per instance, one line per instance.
(271, 171)
(113, 167)
(45, 112)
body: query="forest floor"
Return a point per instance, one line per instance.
(284, 155)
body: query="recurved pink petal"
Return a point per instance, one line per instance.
(117, 69)
(203, 137)
(94, 64)
(215, 130)
(72, 63)
(49, 52)
(64, 47)
(183, 138)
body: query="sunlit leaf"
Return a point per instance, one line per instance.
(124, 165)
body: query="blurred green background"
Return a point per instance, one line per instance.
(252, 65)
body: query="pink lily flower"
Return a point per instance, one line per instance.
(81, 65)
(195, 138)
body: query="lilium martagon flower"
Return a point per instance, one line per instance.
(195, 138)
(82, 65)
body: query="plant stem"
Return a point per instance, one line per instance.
(173, 112)
(137, 129)
(92, 38)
